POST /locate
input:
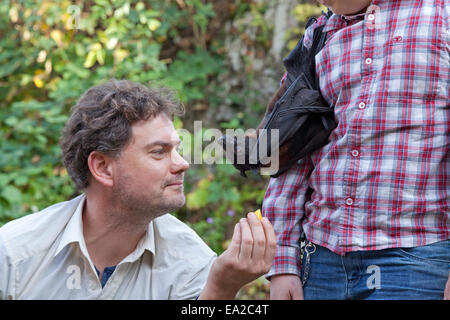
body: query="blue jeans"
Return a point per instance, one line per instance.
(400, 273)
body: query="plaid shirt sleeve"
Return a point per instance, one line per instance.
(285, 198)
(283, 206)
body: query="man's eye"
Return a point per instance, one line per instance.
(159, 151)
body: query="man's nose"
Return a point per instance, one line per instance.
(178, 162)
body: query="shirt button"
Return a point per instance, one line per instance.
(362, 105)
(371, 17)
(355, 153)
(368, 61)
(349, 201)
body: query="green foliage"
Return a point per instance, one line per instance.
(51, 52)
(302, 13)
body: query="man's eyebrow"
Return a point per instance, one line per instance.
(163, 144)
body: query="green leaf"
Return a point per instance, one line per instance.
(91, 58)
(21, 180)
(11, 121)
(11, 194)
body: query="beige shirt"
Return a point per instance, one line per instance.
(44, 256)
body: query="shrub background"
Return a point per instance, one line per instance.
(223, 58)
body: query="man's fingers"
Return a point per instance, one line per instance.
(447, 289)
(286, 287)
(235, 243)
(271, 240)
(259, 237)
(245, 253)
(297, 293)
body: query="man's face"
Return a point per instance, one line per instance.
(346, 7)
(149, 173)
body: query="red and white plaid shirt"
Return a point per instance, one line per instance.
(382, 181)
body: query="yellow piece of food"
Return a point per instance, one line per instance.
(258, 214)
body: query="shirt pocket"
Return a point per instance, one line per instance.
(414, 68)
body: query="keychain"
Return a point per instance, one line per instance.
(309, 249)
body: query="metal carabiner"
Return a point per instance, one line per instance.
(309, 249)
(310, 245)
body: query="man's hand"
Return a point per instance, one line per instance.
(447, 289)
(248, 257)
(286, 287)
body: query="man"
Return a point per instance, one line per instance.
(373, 202)
(116, 241)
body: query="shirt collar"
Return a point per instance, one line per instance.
(339, 21)
(73, 233)
(147, 242)
(335, 22)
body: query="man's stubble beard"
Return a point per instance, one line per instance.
(141, 205)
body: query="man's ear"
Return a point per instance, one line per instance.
(100, 166)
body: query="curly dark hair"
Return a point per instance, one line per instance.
(102, 119)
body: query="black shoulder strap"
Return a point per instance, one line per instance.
(319, 39)
(302, 60)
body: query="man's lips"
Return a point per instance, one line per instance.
(175, 183)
